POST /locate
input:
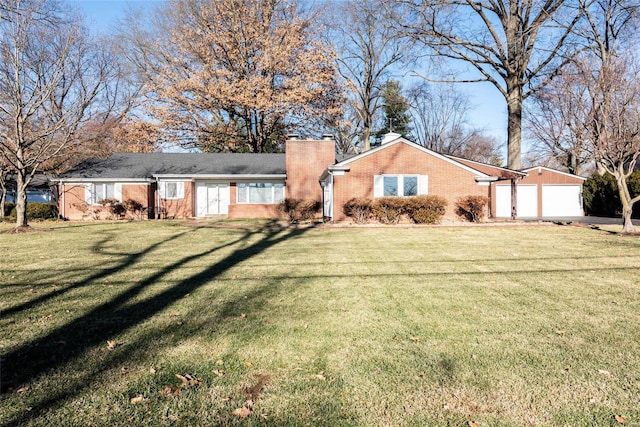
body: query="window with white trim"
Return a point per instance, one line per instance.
(171, 189)
(98, 191)
(266, 193)
(399, 185)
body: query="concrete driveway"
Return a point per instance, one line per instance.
(596, 220)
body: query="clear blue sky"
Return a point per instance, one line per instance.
(489, 114)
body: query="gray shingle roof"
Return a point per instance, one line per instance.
(145, 165)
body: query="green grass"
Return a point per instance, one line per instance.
(505, 326)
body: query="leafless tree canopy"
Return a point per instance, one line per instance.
(368, 50)
(52, 78)
(515, 45)
(441, 123)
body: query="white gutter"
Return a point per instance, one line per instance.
(88, 180)
(235, 177)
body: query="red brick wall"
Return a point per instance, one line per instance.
(545, 176)
(73, 205)
(72, 201)
(444, 178)
(305, 162)
(253, 211)
(180, 208)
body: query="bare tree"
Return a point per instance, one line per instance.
(556, 123)
(367, 51)
(612, 75)
(515, 45)
(614, 125)
(51, 78)
(441, 123)
(233, 75)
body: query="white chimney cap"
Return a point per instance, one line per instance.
(391, 136)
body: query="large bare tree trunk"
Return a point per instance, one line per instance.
(514, 128)
(21, 200)
(627, 204)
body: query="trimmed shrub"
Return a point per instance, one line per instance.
(36, 211)
(8, 208)
(308, 209)
(472, 208)
(133, 207)
(299, 209)
(389, 210)
(114, 206)
(427, 209)
(360, 210)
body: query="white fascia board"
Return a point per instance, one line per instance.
(528, 170)
(229, 177)
(414, 145)
(72, 181)
(485, 179)
(486, 164)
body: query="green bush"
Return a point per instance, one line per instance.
(359, 209)
(8, 208)
(427, 209)
(472, 208)
(601, 197)
(299, 209)
(389, 210)
(36, 211)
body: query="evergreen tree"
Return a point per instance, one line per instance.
(396, 111)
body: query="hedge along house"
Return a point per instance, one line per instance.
(251, 185)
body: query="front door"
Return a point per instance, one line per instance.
(213, 198)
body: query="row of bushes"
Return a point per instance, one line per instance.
(118, 210)
(428, 209)
(35, 211)
(390, 210)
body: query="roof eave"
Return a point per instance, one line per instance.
(192, 177)
(88, 180)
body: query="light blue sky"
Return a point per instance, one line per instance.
(490, 108)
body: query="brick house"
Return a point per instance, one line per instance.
(172, 185)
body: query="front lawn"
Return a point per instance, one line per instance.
(226, 323)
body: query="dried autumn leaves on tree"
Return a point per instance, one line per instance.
(232, 75)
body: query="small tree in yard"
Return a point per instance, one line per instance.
(612, 77)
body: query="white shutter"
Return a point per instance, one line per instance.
(423, 184)
(88, 194)
(180, 190)
(161, 189)
(117, 191)
(378, 186)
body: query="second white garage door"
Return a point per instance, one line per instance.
(562, 200)
(527, 201)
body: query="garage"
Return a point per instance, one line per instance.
(562, 200)
(527, 197)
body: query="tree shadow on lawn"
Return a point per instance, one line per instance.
(98, 247)
(46, 354)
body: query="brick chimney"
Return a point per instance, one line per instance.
(306, 160)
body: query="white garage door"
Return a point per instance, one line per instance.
(527, 201)
(562, 200)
